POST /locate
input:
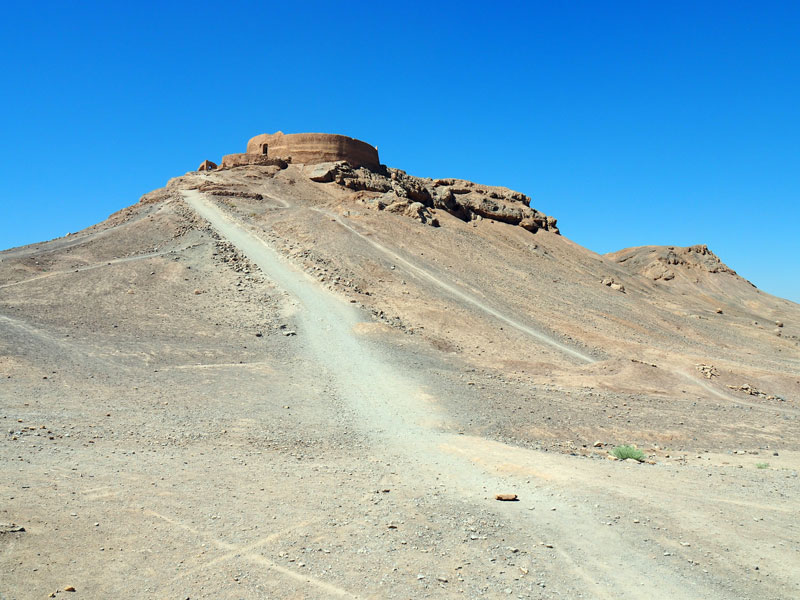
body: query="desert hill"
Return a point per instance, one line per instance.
(286, 379)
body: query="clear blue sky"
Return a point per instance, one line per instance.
(633, 123)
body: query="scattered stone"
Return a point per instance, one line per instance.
(719, 311)
(598, 444)
(708, 371)
(506, 497)
(69, 588)
(610, 282)
(750, 390)
(288, 333)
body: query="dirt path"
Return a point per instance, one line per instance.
(395, 411)
(91, 267)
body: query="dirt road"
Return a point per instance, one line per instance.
(399, 415)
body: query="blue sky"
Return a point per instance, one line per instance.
(633, 123)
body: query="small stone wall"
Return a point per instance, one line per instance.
(240, 160)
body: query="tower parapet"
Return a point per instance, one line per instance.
(314, 148)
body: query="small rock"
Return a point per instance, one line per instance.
(69, 588)
(506, 497)
(442, 579)
(778, 323)
(598, 444)
(288, 333)
(719, 311)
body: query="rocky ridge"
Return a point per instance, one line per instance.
(660, 262)
(394, 190)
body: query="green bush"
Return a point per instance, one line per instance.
(623, 452)
(762, 465)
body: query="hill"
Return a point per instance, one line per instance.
(311, 380)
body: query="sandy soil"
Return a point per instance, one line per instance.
(215, 395)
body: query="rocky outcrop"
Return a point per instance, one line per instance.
(228, 190)
(464, 199)
(662, 262)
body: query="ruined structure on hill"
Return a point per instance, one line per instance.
(207, 165)
(352, 164)
(304, 148)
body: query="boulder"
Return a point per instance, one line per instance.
(323, 172)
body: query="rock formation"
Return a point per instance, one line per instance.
(396, 191)
(659, 262)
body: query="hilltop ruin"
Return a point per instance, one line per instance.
(304, 148)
